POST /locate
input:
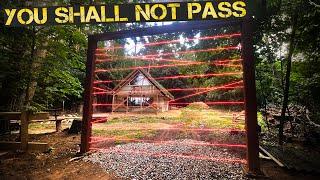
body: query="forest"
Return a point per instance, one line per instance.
(44, 67)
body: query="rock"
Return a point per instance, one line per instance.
(75, 127)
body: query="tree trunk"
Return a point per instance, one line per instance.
(287, 76)
(37, 55)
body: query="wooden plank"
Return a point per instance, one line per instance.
(10, 115)
(32, 146)
(271, 156)
(3, 153)
(39, 115)
(47, 120)
(77, 117)
(17, 115)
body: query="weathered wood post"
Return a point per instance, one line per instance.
(253, 163)
(58, 125)
(87, 106)
(127, 107)
(58, 121)
(25, 116)
(113, 102)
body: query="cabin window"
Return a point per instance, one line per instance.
(140, 101)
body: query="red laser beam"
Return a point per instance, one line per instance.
(177, 41)
(199, 75)
(164, 66)
(99, 89)
(174, 90)
(214, 103)
(228, 60)
(184, 52)
(101, 93)
(208, 103)
(181, 76)
(99, 139)
(100, 60)
(176, 129)
(145, 67)
(101, 120)
(195, 51)
(141, 58)
(206, 91)
(171, 155)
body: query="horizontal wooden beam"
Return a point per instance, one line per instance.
(175, 27)
(17, 115)
(32, 146)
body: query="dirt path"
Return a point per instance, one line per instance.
(57, 165)
(53, 165)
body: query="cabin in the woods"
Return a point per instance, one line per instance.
(140, 92)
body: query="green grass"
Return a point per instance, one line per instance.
(208, 118)
(142, 120)
(190, 116)
(38, 126)
(186, 118)
(141, 134)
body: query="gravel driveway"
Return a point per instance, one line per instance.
(178, 160)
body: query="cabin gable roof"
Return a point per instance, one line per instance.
(134, 74)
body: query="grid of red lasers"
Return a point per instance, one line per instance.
(156, 55)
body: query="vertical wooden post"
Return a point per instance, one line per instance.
(25, 116)
(141, 104)
(141, 89)
(253, 164)
(58, 122)
(112, 103)
(87, 106)
(127, 104)
(58, 125)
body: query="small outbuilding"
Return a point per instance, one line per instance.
(140, 92)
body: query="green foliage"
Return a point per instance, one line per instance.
(63, 68)
(54, 59)
(272, 40)
(261, 122)
(288, 25)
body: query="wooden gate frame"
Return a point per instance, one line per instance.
(253, 163)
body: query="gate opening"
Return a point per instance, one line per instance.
(183, 85)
